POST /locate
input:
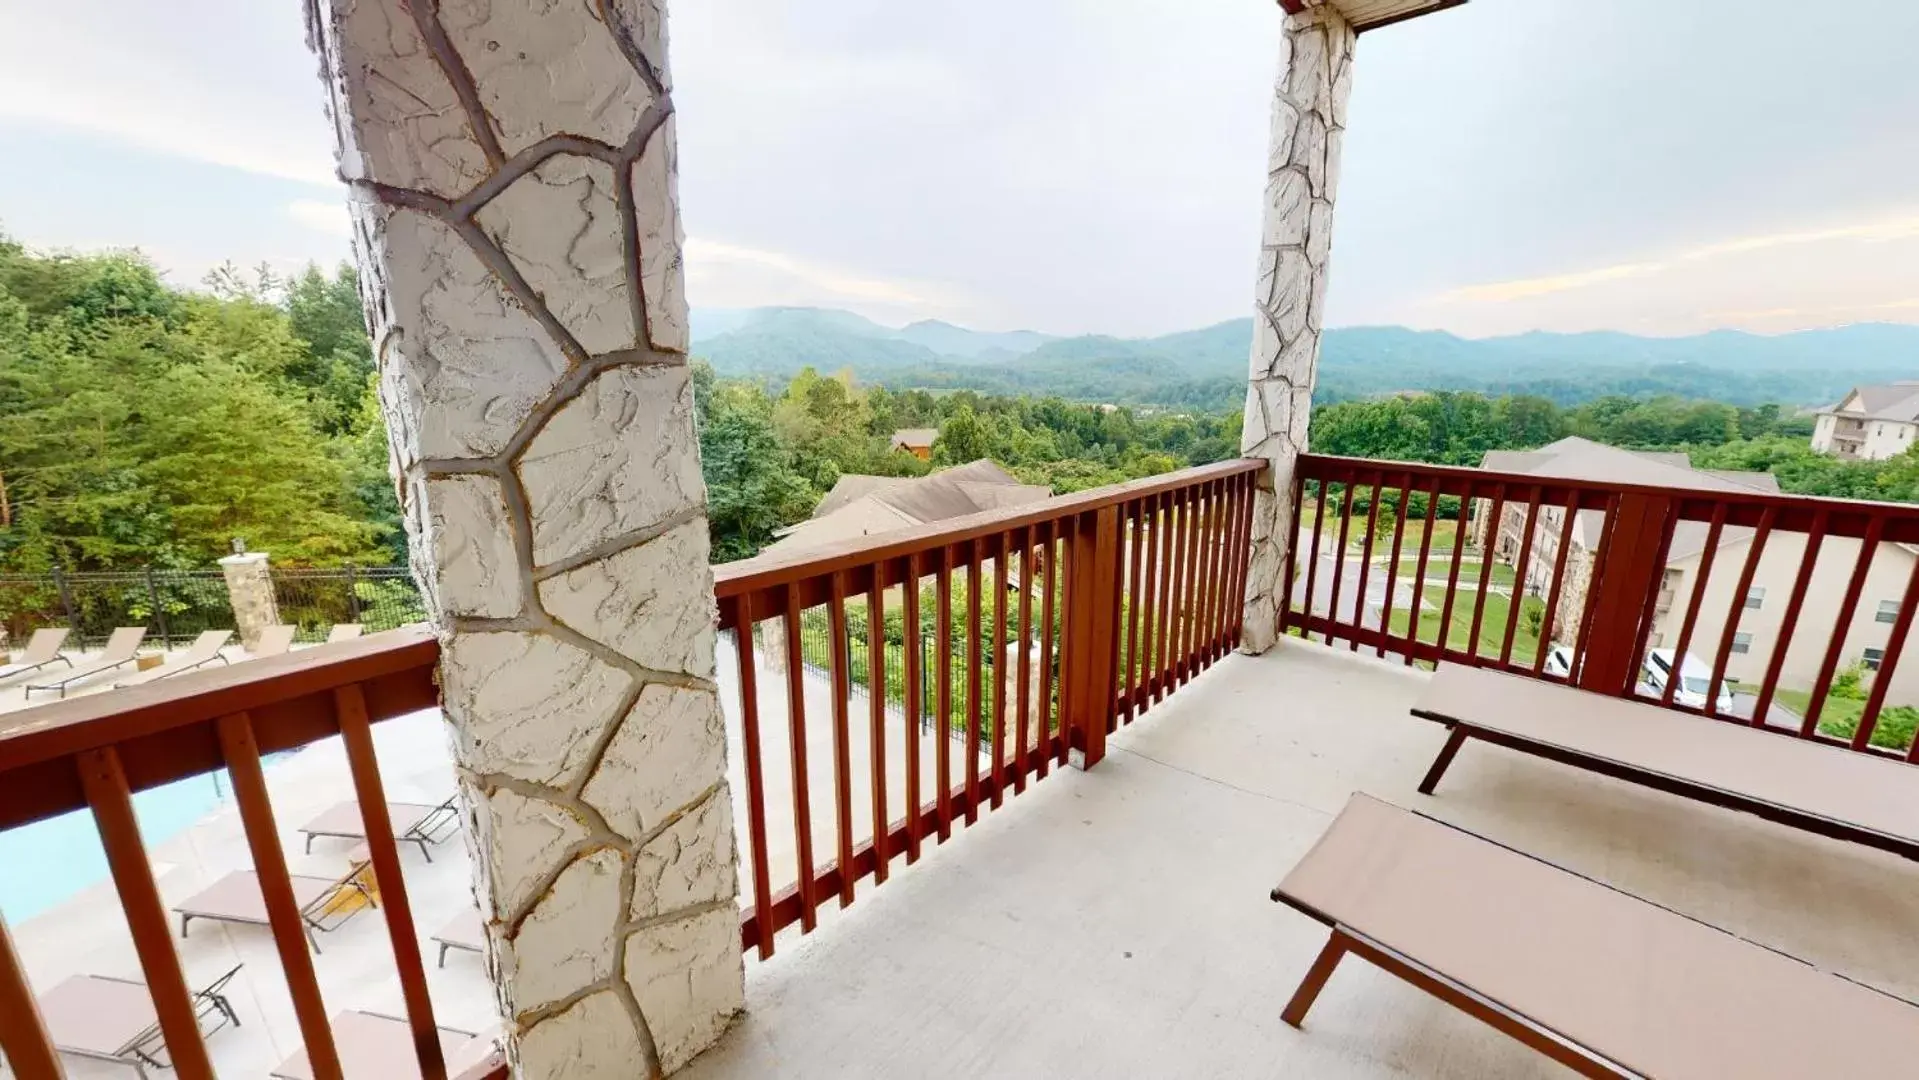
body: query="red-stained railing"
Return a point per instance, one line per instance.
(1109, 599)
(1796, 611)
(95, 752)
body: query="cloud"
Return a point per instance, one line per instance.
(721, 274)
(327, 217)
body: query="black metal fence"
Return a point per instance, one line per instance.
(376, 597)
(174, 605)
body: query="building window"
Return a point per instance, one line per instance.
(1873, 658)
(1742, 643)
(1888, 611)
(1755, 597)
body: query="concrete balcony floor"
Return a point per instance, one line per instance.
(1116, 922)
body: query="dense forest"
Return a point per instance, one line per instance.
(143, 424)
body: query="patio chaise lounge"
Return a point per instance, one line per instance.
(1597, 979)
(1828, 790)
(122, 646)
(374, 1046)
(465, 932)
(204, 650)
(324, 903)
(413, 823)
(43, 648)
(275, 640)
(108, 1019)
(345, 631)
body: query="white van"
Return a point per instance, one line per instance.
(1694, 679)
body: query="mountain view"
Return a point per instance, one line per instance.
(1205, 367)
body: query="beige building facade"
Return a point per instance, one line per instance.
(1872, 423)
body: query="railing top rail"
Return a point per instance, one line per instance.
(61, 729)
(748, 575)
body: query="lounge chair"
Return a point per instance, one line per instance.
(1828, 790)
(108, 1019)
(413, 823)
(465, 933)
(204, 650)
(1597, 979)
(324, 903)
(43, 648)
(122, 646)
(345, 631)
(275, 640)
(375, 1046)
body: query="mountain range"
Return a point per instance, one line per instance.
(1206, 367)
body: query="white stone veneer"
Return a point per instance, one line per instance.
(1309, 119)
(511, 173)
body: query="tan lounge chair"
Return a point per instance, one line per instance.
(375, 1046)
(275, 640)
(345, 631)
(324, 903)
(413, 823)
(1828, 790)
(1594, 978)
(108, 1019)
(465, 933)
(122, 646)
(43, 648)
(204, 650)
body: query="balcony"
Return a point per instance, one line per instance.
(1037, 918)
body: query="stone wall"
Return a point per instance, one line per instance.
(250, 589)
(1309, 120)
(511, 173)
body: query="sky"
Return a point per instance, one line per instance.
(1095, 166)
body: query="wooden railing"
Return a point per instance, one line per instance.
(1818, 587)
(1109, 600)
(95, 752)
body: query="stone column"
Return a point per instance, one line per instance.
(1309, 119)
(511, 175)
(250, 588)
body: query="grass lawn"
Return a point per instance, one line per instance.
(1840, 718)
(1443, 533)
(1492, 630)
(1438, 567)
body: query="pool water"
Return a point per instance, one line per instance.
(48, 862)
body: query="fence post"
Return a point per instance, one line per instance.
(66, 602)
(352, 596)
(250, 589)
(1088, 662)
(1621, 591)
(159, 612)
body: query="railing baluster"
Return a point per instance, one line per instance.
(973, 687)
(105, 784)
(1366, 563)
(1569, 518)
(1205, 633)
(1069, 631)
(757, 870)
(943, 748)
(796, 749)
(1129, 679)
(1518, 598)
(1392, 568)
(24, 1041)
(1649, 608)
(1000, 549)
(1485, 570)
(876, 716)
(242, 755)
(1224, 598)
(1882, 679)
(1048, 568)
(1777, 662)
(1339, 555)
(1242, 550)
(1590, 608)
(1149, 670)
(1292, 522)
(1754, 550)
(1452, 575)
(842, 724)
(1024, 687)
(1417, 608)
(1707, 556)
(356, 735)
(910, 617)
(1168, 575)
(1182, 588)
(1822, 685)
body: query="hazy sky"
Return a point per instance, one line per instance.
(1657, 166)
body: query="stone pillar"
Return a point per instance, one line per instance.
(1309, 119)
(511, 174)
(250, 588)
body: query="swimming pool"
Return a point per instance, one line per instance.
(51, 861)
